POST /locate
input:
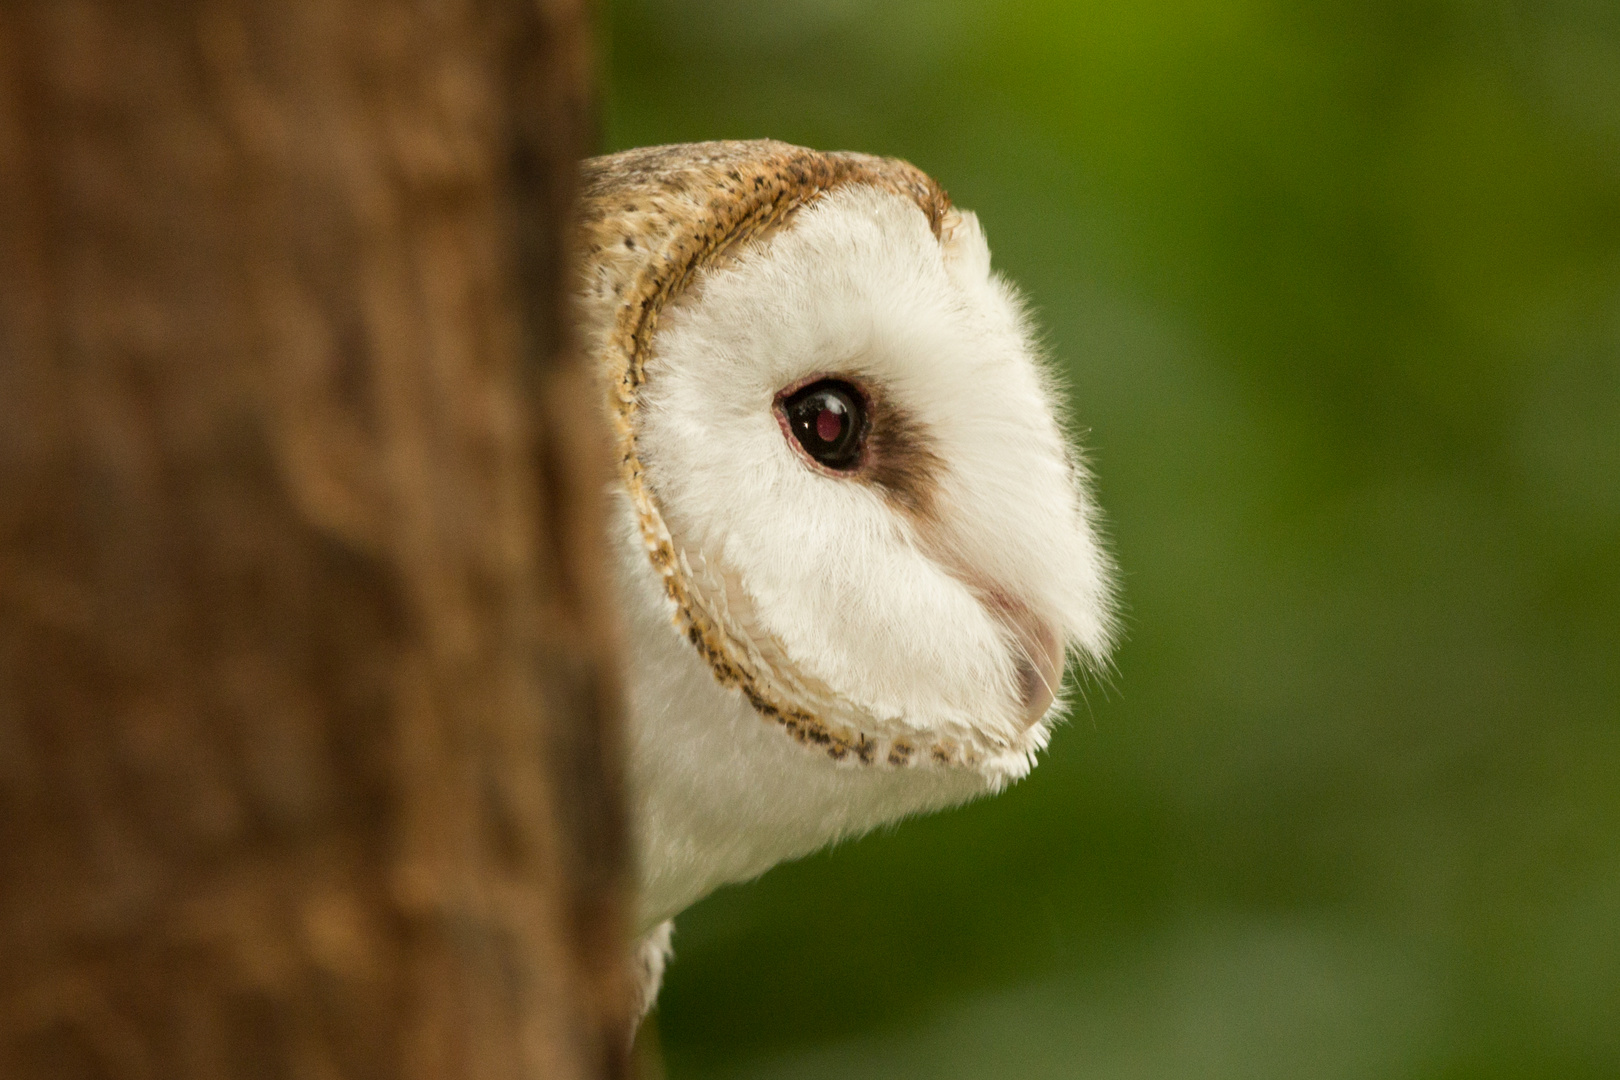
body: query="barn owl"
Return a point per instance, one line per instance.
(854, 547)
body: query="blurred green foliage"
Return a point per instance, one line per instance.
(1336, 288)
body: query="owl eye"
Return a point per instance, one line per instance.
(828, 420)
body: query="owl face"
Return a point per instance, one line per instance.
(846, 466)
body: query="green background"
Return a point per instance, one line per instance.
(1336, 288)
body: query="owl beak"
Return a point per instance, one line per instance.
(1038, 656)
(1040, 670)
(1038, 653)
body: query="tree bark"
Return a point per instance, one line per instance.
(308, 722)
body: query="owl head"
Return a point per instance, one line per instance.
(842, 451)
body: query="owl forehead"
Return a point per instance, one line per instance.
(856, 285)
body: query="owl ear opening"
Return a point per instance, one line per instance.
(967, 253)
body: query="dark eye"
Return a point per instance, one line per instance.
(829, 421)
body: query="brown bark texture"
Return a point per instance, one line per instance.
(308, 723)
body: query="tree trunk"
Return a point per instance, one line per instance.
(308, 726)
